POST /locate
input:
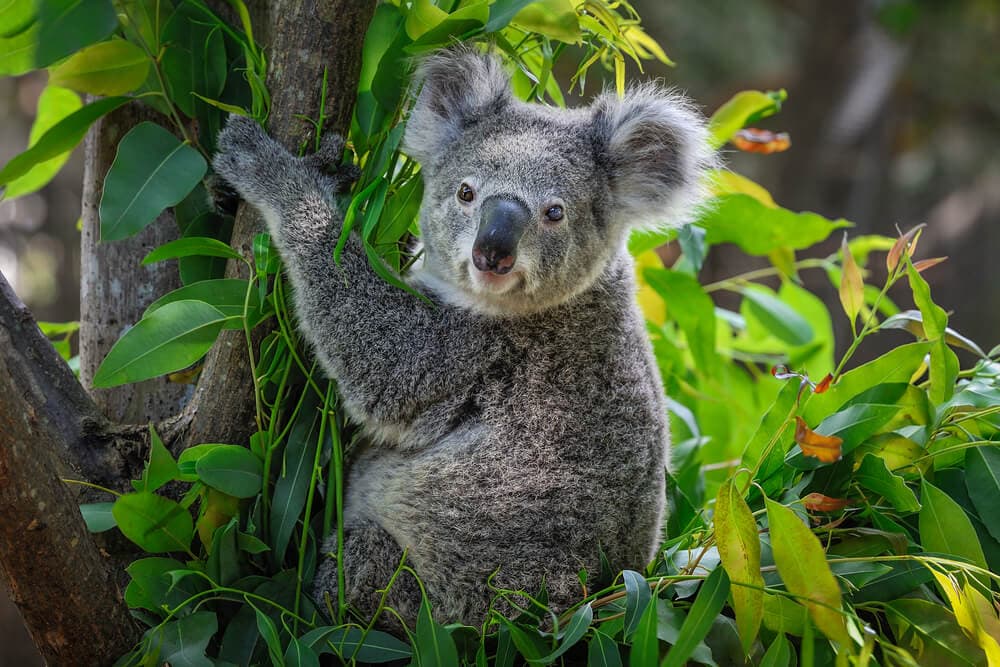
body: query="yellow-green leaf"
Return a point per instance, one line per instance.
(744, 107)
(725, 182)
(423, 16)
(803, 567)
(852, 286)
(107, 68)
(553, 18)
(54, 104)
(739, 548)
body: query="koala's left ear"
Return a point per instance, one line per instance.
(459, 87)
(654, 146)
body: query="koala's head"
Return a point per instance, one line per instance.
(525, 204)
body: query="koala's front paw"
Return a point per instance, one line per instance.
(328, 160)
(247, 158)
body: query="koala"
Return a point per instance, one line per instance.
(514, 421)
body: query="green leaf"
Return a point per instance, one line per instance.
(54, 104)
(227, 295)
(873, 475)
(739, 548)
(897, 365)
(155, 523)
(945, 528)
(432, 643)
(60, 138)
(933, 634)
(913, 321)
(689, 305)
(424, 15)
(232, 469)
(150, 587)
(759, 229)
(779, 653)
(853, 424)
(462, 23)
(502, 11)
(187, 461)
(602, 651)
(269, 632)
(108, 68)
(65, 26)
(744, 107)
(378, 647)
(711, 598)
(299, 655)
(194, 60)
(292, 486)
(645, 644)
(98, 516)
(944, 363)
(637, 597)
(169, 339)
(183, 643)
(778, 317)
(982, 480)
(933, 316)
(191, 245)
(575, 629)
(161, 467)
(152, 170)
(17, 47)
(803, 567)
(16, 16)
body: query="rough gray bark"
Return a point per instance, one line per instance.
(222, 408)
(56, 574)
(115, 288)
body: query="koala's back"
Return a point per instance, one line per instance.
(555, 454)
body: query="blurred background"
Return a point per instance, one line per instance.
(894, 114)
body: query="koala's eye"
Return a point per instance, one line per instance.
(466, 193)
(554, 213)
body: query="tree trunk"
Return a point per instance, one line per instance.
(222, 409)
(50, 428)
(115, 288)
(56, 574)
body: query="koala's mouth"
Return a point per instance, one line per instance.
(493, 283)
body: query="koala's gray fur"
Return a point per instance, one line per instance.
(516, 426)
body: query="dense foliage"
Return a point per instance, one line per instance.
(822, 512)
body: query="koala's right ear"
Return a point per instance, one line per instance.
(459, 87)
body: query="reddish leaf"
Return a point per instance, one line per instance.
(927, 263)
(824, 384)
(817, 502)
(826, 448)
(903, 244)
(764, 142)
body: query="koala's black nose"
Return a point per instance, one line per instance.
(502, 221)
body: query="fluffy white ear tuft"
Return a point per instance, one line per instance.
(654, 146)
(459, 87)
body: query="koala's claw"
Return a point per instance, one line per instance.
(328, 160)
(330, 153)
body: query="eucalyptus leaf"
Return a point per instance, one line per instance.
(152, 170)
(169, 339)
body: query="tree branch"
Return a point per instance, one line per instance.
(58, 578)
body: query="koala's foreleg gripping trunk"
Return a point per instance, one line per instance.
(376, 340)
